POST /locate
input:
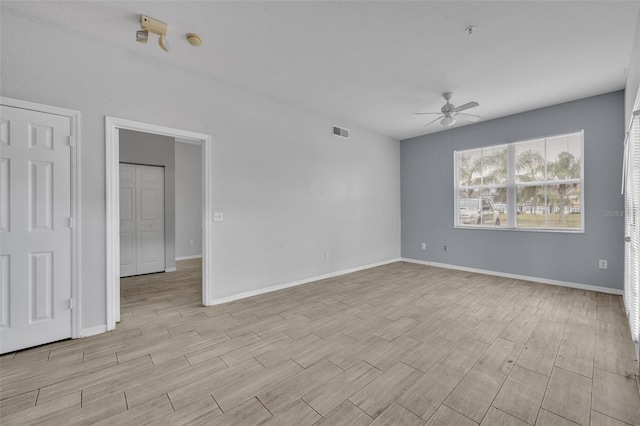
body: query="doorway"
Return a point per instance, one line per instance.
(112, 127)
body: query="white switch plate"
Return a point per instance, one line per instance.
(218, 217)
(602, 264)
(424, 246)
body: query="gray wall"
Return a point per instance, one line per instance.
(428, 197)
(288, 189)
(188, 199)
(156, 150)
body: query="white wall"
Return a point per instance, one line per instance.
(288, 189)
(188, 199)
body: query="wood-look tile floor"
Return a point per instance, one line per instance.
(400, 344)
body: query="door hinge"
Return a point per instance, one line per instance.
(70, 222)
(70, 140)
(70, 304)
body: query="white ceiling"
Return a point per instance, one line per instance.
(373, 64)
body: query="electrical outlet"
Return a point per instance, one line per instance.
(190, 242)
(218, 217)
(326, 255)
(424, 246)
(602, 264)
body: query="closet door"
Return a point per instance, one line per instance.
(141, 219)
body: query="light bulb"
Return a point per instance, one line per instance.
(142, 36)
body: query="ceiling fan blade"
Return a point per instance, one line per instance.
(421, 113)
(466, 106)
(431, 122)
(467, 117)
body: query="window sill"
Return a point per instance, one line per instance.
(494, 228)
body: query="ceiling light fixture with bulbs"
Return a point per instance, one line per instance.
(150, 25)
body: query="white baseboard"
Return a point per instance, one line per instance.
(171, 269)
(195, 256)
(92, 331)
(297, 283)
(518, 277)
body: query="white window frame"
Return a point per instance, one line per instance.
(512, 185)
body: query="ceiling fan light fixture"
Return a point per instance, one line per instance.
(448, 112)
(447, 121)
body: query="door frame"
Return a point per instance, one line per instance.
(112, 142)
(76, 218)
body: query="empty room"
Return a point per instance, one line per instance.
(319, 213)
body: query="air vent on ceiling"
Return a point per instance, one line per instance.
(339, 131)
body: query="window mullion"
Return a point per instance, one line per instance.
(511, 186)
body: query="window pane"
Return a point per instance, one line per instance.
(564, 206)
(469, 167)
(494, 165)
(531, 207)
(530, 161)
(551, 206)
(468, 208)
(564, 155)
(481, 210)
(500, 205)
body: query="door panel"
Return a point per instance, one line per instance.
(150, 218)
(149, 252)
(4, 194)
(5, 306)
(41, 195)
(41, 286)
(35, 258)
(149, 204)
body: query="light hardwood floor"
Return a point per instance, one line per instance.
(400, 344)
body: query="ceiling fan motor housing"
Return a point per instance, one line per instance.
(447, 109)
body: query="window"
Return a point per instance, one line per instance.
(631, 187)
(536, 184)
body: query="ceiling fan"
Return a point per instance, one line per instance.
(450, 113)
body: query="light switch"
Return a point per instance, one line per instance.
(218, 217)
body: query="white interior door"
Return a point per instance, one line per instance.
(35, 212)
(141, 219)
